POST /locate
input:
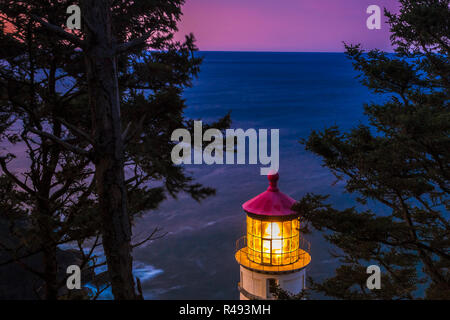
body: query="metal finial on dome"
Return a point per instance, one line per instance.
(273, 180)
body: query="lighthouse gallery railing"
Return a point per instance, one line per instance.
(303, 253)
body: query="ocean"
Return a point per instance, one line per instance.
(293, 92)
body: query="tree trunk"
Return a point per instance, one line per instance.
(49, 261)
(50, 272)
(104, 103)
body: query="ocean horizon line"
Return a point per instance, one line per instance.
(263, 51)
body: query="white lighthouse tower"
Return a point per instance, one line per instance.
(272, 252)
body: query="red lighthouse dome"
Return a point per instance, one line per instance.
(271, 202)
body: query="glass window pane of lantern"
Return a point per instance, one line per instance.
(294, 256)
(249, 225)
(250, 241)
(266, 230)
(276, 230)
(276, 259)
(266, 251)
(287, 230)
(257, 244)
(254, 226)
(251, 254)
(257, 228)
(286, 258)
(257, 257)
(277, 246)
(287, 245)
(294, 243)
(295, 227)
(266, 246)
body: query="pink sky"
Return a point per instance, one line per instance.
(282, 25)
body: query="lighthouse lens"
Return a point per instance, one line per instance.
(276, 230)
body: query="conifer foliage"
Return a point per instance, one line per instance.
(95, 109)
(400, 161)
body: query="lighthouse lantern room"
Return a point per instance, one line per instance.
(272, 252)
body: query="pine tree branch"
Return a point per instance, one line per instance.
(125, 132)
(433, 271)
(21, 263)
(85, 258)
(140, 295)
(59, 31)
(100, 291)
(76, 131)
(14, 178)
(36, 251)
(63, 143)
(128, 136)
(122, 48)
(150, 238)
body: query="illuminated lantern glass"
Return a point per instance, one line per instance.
(273, 242)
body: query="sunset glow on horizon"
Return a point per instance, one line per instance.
(288, 25)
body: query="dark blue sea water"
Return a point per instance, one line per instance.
(293, 92)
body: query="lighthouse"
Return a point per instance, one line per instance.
(272, 252)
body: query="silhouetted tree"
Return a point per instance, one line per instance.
(280, 294)
(400, 161)
(125, 64)
(46, 194)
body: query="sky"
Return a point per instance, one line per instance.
(283, 25)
